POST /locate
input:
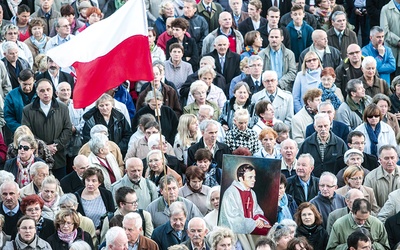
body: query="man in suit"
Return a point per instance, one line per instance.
(73, 181)
(226, 62)
(197, 231)
(10, 207)
(283, 5)
(273, 17)
(210, 11)
(56, 76)
(254, 79)
(238, 15)
(132, 225)
(254, 21)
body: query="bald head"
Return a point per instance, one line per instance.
(81, 163)
(134, 168)
(320, 39)
(351, 196)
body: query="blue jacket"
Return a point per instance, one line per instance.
(384, 65)
(13, 106)
(299, 44)
(123, 96)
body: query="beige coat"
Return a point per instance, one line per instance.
(390, 17)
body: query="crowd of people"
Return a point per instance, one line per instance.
(142, 167)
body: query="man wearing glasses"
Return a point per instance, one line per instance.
(63, 29)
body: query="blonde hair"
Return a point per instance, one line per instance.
(21, 131)
(183, 130)
(309, 54)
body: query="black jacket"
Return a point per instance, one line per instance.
(370, 162)
(198, 29)
(106, 196)
(392, 225)
(11, 166)
(56, 243)
(190, 50)
(247, 25)
(318, 237)
(231, 65)
(338, 128)
(71, 183)
(222, 149)
(295, 189)
(63, 77)
(218, 81)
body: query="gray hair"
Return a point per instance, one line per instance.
(7, 46)
(61, 84)
(57, 21)
(382, 97)
(368, 60)
(204, 124)
(208, 201)
(206, 106)
(98, 128)
(241, 113)
(289, 140)
(320, 116)
(309, 156)
(207, 69)
(220, 233)
(38, 165)
(112, 234)
(150, 96)
(7, 28)
(154, 140)
(79, 245)
(133, 216)
(351, 85)
(9, 183)
(276, 233)
(104, 98)
(239, 85)
(323, 104)
(220, 37)
(326, 173)
(289, 223)
(210, 60)
(196, 85)
(6, 176)
(265, 73)
(97, 142)
(178, 207)
(154, 152)
(254, 58)
(68, 199)
(50, 180)
(337, 13)
(376, 29)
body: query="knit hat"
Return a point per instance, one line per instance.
(350, 152)
(84, 4)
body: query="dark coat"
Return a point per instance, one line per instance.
(190, 50)
(336, 147)
(56, 127)
(198, 29)
(218, 81)
(332, 59)
(165, 236)
(47, 229)
(119, 130)
(21, 64)
(7, 14)
(222, 149)
(338, 128)
(211, 18)
(318, 237)
(106, 196)
(231, 65)
(348, 38)
(63, 77)
(11, 166)
(56, 243)
(392, 225)
(374, 8)
(370, 162)
(284, 6)
(247, 25)
(295, 189)
(71, 183)
(10, 222)
(309, 18)
(264, 35)
(344, 74)
(226, 117)
(188, 244)
(253, 88)
(147, 244)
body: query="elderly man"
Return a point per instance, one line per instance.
(289, 151)
(133, 178)
(360, 216)
(281, 100)
(38, 171)
(116, 239)
(373, 84)
(386, 178)
(63, 29)
(48, 14)
(18, 98)
(174, 231)
(254, 21)
(127, 202)
(350, 68)
(226, 61)
(206, 112)
(13, 62)
(350, 111)
(385, 61)
(209, 130)
(273, 16)
(166, 35)
(198, 27)
(323, 145)
(254, 80)
(338, 128)
(49, 121)
(237, 11)
(340, 36)
(10, 33)
(303, 186)
(169, 190)
(331, 56)
(197, 231)
(236, 42)
(132, 225)
(349, 198)
(327, 200)
(391, 207)
(9, 207)
(56, 75)
(73, 181)
(280, 59)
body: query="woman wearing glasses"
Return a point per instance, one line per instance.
(20, 165)
(353, 177)
(376, 133)
(308, 78)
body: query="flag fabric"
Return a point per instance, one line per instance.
(107, 53)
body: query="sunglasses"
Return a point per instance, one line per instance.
(312, 60)
(25, 148)
(372, 116)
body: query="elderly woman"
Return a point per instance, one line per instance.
(222, 238)
(281, 235)
(282, 130)
(68, 231)
(213, 205)
(372, 83)
(267, 138)
(191, 53)
(93, 15)
(157, 54)
(213, 94)
(101, 158)
(157, 164)
(188, 134)
(252, 44)
(352, 157)
(10, 33)
(37, 41)
(384, 104)
(376, 133)
(49, 194)
(241, 135)
(94, 201)
(20, 165)
(308, 78)
(329, 90)
(265, 112)
(27, 237)
(177, 70)
(353, 178)
(309, 222)
(240, 100)
(168, 118)
(170, 97)
(198, 90)
(204, 160)
(32, 206)
(194, 190)
(104, 113)
(166, 10)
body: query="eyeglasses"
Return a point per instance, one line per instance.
(36, 209)
(374, 116)
(269, 80)
(312, 60)
(326, 186)
(356, 178)
(299, 34)
(12, 33)
(353, 53)
(25, 148)
(133, 202)
(67, 223)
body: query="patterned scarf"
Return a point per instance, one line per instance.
(373, 137)
(39, 225)
(39, 44)
(329, 94)
(23, 177)
(49, 204)
(67, 237)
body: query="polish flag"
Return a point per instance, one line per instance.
(107, 53)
